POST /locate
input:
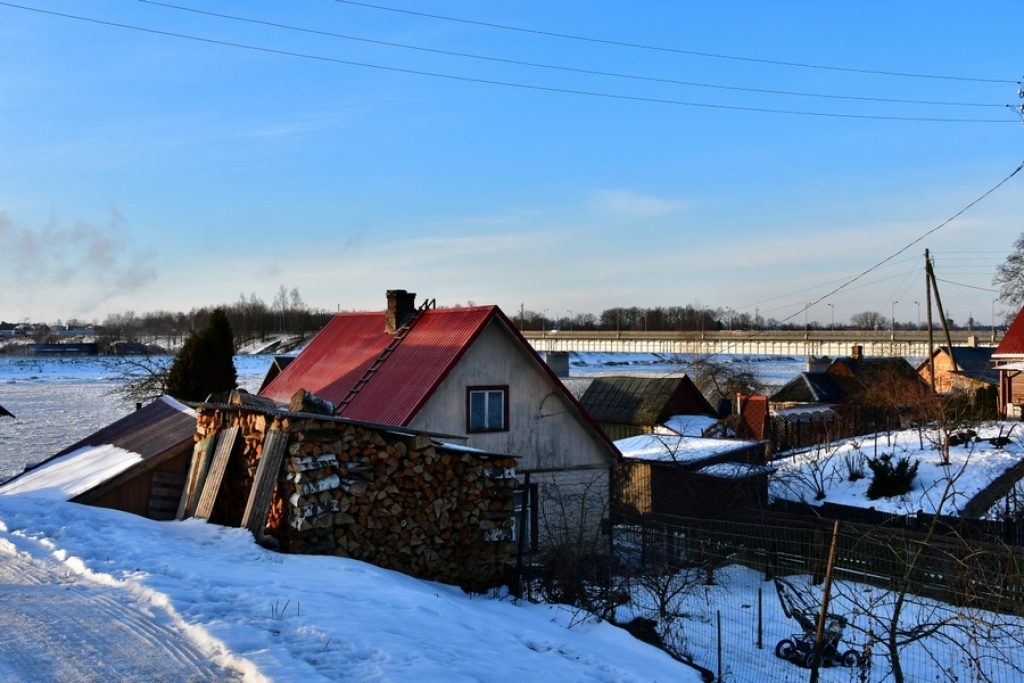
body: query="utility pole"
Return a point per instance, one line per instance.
(930, 272)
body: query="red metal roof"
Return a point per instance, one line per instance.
(1013, 343)
(335, 360)
(333, 363)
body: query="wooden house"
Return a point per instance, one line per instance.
(1008, 358)
(467, 372)
(843, 397)
(972, 370)
(630, 405)
(136, 464)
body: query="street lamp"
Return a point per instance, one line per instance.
(892, 312)
(918, 315)
(833, 317)
(544, 321)
(570, 319)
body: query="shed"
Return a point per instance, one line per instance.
(316, 483)
(136, 464)
(630, 405)
(691, 477)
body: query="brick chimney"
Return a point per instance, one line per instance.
(857, 352)
(401, 306)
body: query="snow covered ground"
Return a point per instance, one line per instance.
(202, 602)
(227, 609)
(937, 489)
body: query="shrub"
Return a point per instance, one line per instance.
(205, 363)
(890, 479)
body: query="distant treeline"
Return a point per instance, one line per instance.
(253, 319)
(691, 318)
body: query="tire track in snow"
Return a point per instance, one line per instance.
(56, 627)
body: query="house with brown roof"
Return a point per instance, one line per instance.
(466, 372)
(967, 368)
(630, 405)
(842, 397)
(1008, 358)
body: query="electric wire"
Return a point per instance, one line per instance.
(916, 241)
(695, 53)
(508, 84)
(569, 69)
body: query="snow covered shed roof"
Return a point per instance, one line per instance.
(142, 439)
(685, 450)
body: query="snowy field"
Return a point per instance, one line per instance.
(58, 401)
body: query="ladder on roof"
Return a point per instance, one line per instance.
(384, 355)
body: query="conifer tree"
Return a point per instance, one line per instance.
(205, 363)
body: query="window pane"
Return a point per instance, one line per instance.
(477, 410)
(495, 410)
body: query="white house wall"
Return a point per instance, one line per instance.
(545, 430)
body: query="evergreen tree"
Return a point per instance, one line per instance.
(205, 364)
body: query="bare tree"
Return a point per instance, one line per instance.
(943, 593)
(141, 379)
(1009, 277)
(868, 320)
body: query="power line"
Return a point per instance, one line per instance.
(485, 81)
(569, 69)
(961, 284)
(894, 255)
(657, 48)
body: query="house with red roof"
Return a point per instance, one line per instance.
(469, 373)
(1009, 363)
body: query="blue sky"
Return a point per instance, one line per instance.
(143, 171)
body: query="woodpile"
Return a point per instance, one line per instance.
(382, 495)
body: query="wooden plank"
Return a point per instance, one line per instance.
(211, 487)
(258, 507)
(196, 475)
(172, 478)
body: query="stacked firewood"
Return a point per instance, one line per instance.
(389, 497)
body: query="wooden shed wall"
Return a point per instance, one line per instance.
(134, 494)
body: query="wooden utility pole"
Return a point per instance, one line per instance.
(928, 309)
(930, 273)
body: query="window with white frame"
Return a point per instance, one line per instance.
(487, 409)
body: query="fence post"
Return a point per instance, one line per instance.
(760, 619)
(719, 615)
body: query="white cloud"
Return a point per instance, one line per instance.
(638, 205)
